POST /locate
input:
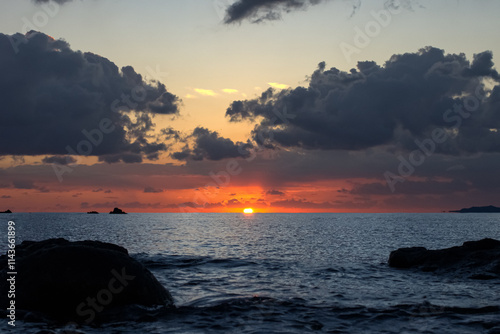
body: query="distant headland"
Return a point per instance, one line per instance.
(117, 211)
(479, 209)
(8, 211)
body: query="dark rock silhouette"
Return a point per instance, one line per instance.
(8, 211)
(92, 212)
(117, 211)
(79, 281)
(474, 259)
(479, 209)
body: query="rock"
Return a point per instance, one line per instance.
(79, 281)
(117, 211)
(475, 259)
(93, 213)
(479, 209)
(8, 211)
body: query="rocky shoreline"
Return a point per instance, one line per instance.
(474, 259)
(80, 281)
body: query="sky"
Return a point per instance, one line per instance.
(277, 105)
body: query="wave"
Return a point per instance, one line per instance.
(260, 314)
(182, 261)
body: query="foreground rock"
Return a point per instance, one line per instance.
(474, 259)
(79, 281)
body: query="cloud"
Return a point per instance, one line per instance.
(205, 92)
(123, 206)
(105, 205)
(60, 160)
(209, 145)
(140, 205)
(184, 205)
(98, 190)
(232, 203)
(275, 193)
(230, 91)
(397, 105)
(24, 184)
(257, 11)
(278, 85)
(6, 196)
(153, 190)
(125, 157)
(301, 204)
(75, 103)
(409, 187)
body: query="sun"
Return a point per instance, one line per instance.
(248, 210)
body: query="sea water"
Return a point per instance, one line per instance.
(285, 273)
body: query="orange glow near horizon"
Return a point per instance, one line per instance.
(248, 211)
(56, 197)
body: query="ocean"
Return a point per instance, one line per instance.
(285, 273)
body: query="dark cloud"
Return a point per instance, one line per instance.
(139, 205)
(191, 205)
(399, 104)
(24, 184)
(125, 157)
(76, 103)
(257, 11)
(43, 189)
(233, 203)
(152, 190)
(301, 204)
(6, 196)
(59, 159)
(105, 205)
(123, 206)
(410, 187)
(209, 145)
(275, 193)
(214, 205)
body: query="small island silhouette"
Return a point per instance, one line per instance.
(8, 211)
(92, 212)
(479, 209)
(117, 211)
